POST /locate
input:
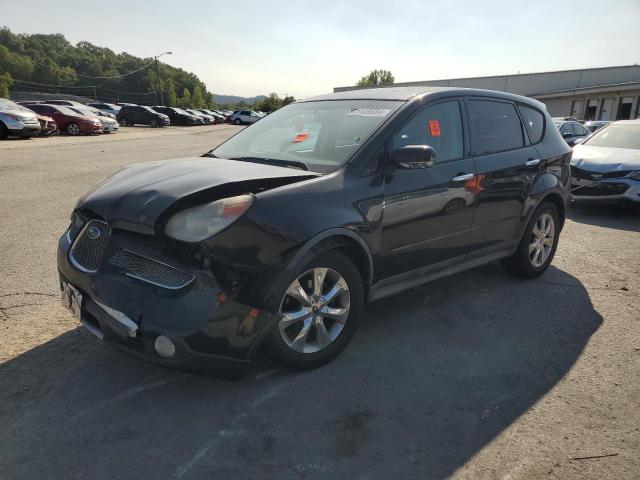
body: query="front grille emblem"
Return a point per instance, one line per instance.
(93, 232)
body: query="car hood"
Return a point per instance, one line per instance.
(605, 159)
(137, 195)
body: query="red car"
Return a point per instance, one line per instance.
(67, 120)
(47, 125)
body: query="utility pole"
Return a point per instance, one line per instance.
(158, 76)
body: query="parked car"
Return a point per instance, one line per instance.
(48, 125)
(67, 120)
(17, 121)
(206, 118)
(244, 117)
(593, 125)
(218, 118)
(572, 131)
(195, 264)
(178, 116)
(606, 166)
(108, 124)
(141, 115)
(106, 108)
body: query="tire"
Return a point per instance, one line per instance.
(153, 124)
(296, 340)
(124, 122)
(4, 133)
(73, 129)
(237, 121)
(536, 250)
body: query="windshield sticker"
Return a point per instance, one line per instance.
(301, 137)
(434, 128)
(370, 112)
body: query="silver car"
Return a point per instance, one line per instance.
(17, 121)
(108, 124)
(109, 108)
(606, 166)
(244, 117)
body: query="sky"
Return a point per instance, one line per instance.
(303, 48)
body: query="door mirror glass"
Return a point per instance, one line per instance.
(414, 156)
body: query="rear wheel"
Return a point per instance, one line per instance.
(538, 245)
(319, 313)
(73, 129)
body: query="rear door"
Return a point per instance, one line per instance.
(506, 164)
(428, 212)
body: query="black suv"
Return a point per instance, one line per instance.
(141, 115)
(178, 116)
(281, 235)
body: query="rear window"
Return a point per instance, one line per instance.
(495, 126)
(533, 122)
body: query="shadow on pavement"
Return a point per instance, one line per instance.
(621, 217)
(433, 375)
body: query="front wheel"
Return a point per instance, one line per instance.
(73, 129)
(153, 124)
(237, 121)
(538, 245)
(319, 313)
(123, 121)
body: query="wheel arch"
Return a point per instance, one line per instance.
(345, 240)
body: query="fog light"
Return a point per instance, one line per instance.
(164, 347)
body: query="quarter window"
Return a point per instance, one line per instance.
(567, 128)
(439, 126)
(495, 126)
(533, 122)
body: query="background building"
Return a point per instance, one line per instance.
(609, 93)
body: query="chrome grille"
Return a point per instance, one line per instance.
(88, 248)
(150, 271)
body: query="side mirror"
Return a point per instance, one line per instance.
(414, 156)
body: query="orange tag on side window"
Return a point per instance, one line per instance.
(301, 137)
(434, 128)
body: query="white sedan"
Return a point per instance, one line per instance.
(606, 166)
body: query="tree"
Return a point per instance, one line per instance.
(198, 100)
(377, 77)
(287, 100)
(185, 100)
(5, 83)
(171, 97)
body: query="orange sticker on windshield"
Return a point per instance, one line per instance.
(301, 137)
(434, 128)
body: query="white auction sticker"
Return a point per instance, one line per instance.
(370, 112)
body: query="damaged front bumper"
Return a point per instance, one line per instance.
(210, 332)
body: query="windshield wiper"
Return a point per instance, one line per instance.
(272, 161)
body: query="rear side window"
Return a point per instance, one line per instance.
(579, 129)
(495, 127)
(533, 122)
(439, 126)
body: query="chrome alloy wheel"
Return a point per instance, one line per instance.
(542, 237)
(314, 310)
(73, 129)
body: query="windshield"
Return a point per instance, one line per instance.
(179, 110)
(9, 105)
(66, 110)
(322, 135)
(149, 109)
(83, 111)
(617, 136)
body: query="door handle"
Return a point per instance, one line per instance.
(532, 162)
(463, 178)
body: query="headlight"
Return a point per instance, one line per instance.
(635, 175)
(196, 224)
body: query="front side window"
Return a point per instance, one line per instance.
(320, 134)
(439, 126)
(495, 127)
(533, 122)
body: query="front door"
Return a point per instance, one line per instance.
(428, 212)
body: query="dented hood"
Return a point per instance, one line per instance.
(136, 195)
(605, 159)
